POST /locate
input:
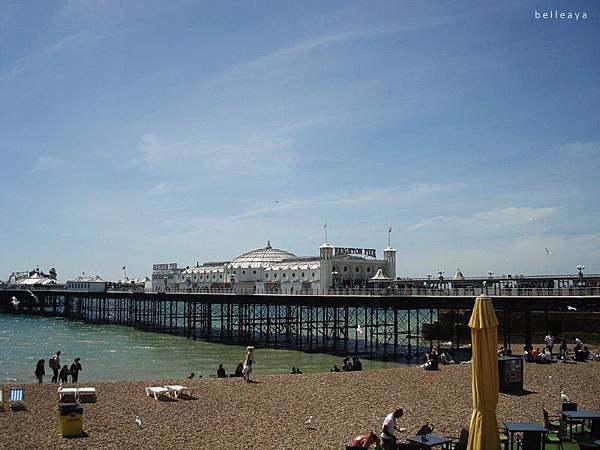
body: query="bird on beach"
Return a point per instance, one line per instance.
(359, 329)
(564, 397)
(308, 423)
(548, 252)
(33, 295)
(571, 308)
(138, 421)
(15, 302)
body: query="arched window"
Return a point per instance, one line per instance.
(293, 275)
(345, 268)
(368, 269)
(357, 269)
(284, 275)
(302, 275)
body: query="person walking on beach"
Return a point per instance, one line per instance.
(40, 371)
(64, 374)
(75, 369)
(248, 361)
(54, 363)
(388, 430)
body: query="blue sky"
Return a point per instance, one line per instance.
(150, 132)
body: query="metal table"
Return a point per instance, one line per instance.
(525, 427)
(581, 414)
(432, 441)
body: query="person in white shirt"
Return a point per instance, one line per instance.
(388, 430)
(549, 340)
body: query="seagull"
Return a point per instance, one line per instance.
(15, 302)
(308, 422)
(571, 308)
(33, 295)
(138, 421)
(548, 252)
(359, 329)
(563, 397)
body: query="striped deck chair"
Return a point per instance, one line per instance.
(16, 397)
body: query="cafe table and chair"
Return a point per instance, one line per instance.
(430, 441)
(533, 434)
(582, 415)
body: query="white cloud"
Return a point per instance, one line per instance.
(581, 149)
(496, 218)
(45, 163)
(160, 188)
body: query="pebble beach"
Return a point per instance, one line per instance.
(270, 412)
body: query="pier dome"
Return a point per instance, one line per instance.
(261, 257)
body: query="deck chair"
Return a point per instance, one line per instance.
(68, 395)
(16, 398)
(1, 399)
(156, 391)
(86, 394)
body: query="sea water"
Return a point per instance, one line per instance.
(114, 352)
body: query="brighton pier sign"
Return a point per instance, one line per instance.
(370, 252)
(168, 266)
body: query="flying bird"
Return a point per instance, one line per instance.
(571, 308)
(308, 423)
(33, 295)
(360, 330)
(15, 302)
(548, 252)
(138, 421)
(564, 397)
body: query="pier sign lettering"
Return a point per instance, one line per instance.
(169, 266)
(370, 252)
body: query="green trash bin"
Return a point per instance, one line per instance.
(70, 420)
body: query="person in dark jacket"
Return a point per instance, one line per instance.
(64, 374)
(40, 371)
(75, 369)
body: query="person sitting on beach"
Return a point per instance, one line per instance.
(582, 354)
(432, 362)
(547, 356)
(346, 365)
(334, 369)
(191, 375)
(64, 374)
(221, 372)
(293, 371)
(40, 371)
(239, 370)
(366, 441)
(446, 359)
(298, 371)
(75, 369)
(535, 353)
(356, 364)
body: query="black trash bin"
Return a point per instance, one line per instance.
(70, 420)
(510, 374)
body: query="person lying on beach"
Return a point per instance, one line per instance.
(334, 369)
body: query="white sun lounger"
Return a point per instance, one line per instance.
(156, 391)
(177, 389)
(86, 394)
(1, 399)
(67, 394)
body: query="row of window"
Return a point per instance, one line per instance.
(357, 269)
(214, 276)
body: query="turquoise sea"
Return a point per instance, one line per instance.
(113, 352)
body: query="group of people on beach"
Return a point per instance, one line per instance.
(347, 366)
(387, 440)
(580, 352)
(243, 369)
(58, 372)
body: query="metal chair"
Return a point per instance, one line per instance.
(558, 437)
(551, 423)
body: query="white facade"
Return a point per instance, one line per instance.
(87, 284)
(271, 270)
